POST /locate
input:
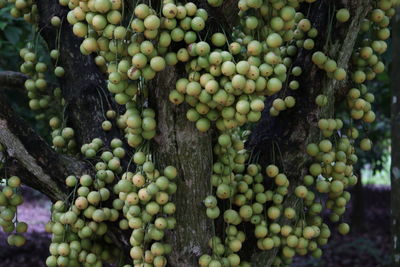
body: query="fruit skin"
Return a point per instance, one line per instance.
(343, 15)
(343, 228)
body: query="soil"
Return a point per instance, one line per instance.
(368, 246)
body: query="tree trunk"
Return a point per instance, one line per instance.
(180, 144)
(358, 207)
(395, 168)
(282, 140)
(83, 86)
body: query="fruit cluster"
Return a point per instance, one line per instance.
(226, 83)
(46, 98)
(10, 199)
(139, 202)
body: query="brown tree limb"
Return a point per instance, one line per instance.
(31, 158)
(12, 80)
(28, 153)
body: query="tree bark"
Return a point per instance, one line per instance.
(12, 80)
(358, 207)
(83, 85)
(27, 153)
(395, 168)
(279, 142)
(178, 142)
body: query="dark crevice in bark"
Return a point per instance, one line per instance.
(219, 18)
(27, 151)
(29, 157)
(83, 86)
(358, 207)
(282, 140)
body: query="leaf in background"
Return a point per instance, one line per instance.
(12, 34)
(3, 25)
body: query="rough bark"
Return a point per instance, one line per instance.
(395, 168)
(276, 140)
(12, 80)
(84, 89)
(358, 207)
(83, 86)
(180, 144)
(39, 166)
(28, 153)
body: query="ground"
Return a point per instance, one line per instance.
(366, 248)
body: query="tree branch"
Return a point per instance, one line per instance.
(12, 80)
(30, 156)
(38, 165)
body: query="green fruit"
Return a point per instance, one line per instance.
(366, 144)
(343, 15)
(274, 85)
(301, 191)
(51, 261)
(214, 3)
(337, 187)
(251, 22)
(344, 228)
(203, 125)
(58, 141)
(169, 10)
(224, 191)
(157, 63)
(16, 240)
(142, 11)
(218, 39)
(102, 6)
(202, 48)
(213, 212)
(71, 181)
(152, 22)
(14, 181)
(315, 169)
(319, 58)
(273, 213)
(210, 202)
(274, 40)
(197, 24)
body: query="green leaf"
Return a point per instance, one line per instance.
(12, 34)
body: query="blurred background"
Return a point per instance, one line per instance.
(368, 244)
